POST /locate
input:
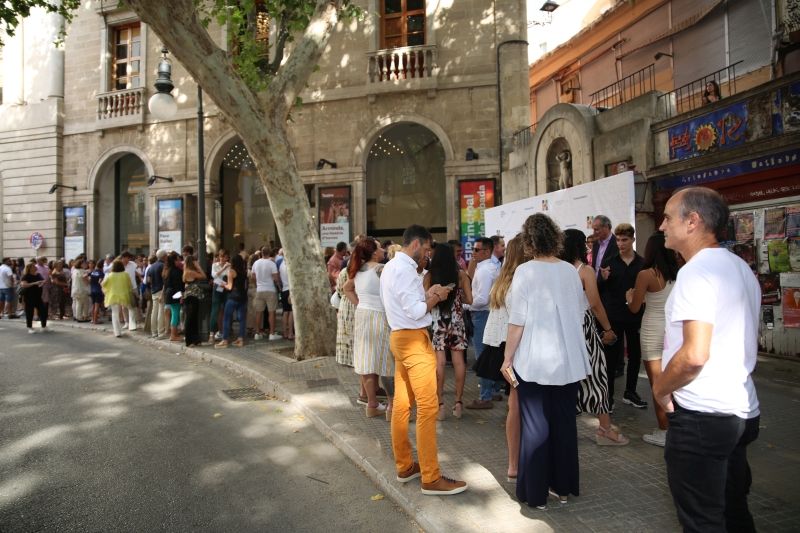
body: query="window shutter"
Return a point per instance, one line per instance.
(750, 34)
(699, 49)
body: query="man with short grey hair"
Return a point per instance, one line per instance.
(605, 245)
(710, 350)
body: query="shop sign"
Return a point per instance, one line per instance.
(764, 115)
(36, 240)
(334, 215)
(767, 162)
(170, 224)
(74, 231)
(475, 196)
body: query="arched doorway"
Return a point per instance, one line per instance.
(123, 207)
(244, 218)
(406, 182)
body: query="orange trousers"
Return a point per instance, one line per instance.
(415, 380)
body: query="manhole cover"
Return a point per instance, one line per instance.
(247, 394)
(317, 383)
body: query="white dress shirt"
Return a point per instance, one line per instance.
(485, 273)
(403, 295)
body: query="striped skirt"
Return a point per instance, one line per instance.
(371, 354)
(593, 391)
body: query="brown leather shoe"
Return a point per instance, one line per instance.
(444, 486)
(480, 404)
(408, 475)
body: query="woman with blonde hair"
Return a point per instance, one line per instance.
(494, 337)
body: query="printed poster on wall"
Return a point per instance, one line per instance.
(793, 221)
(775, 223)
(791, 307)
(778, 256)
(74, 231)
(170, 224)
(574, 207)
(334, 215)
(475, 197)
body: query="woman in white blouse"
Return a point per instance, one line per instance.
(546, 348)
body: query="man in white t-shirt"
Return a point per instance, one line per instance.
(710, 349)
(265, 273)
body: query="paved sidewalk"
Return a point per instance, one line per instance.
(622, 488)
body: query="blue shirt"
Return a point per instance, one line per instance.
(95, 278)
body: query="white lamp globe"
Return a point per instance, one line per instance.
(163, 106)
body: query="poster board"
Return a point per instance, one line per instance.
(334, 215)
(170, 224)
(574, 207)
(474, 197)
(74, 231)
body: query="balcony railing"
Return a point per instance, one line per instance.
(411, 62)
(691, 96)
(626, 89)
(523, 137)
(120, 107)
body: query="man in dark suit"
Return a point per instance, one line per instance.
(605, 245)
(604, 249)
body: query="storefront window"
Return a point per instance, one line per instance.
(131, 199)
(405, 182)
(246, 216)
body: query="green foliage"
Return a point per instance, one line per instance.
(13, 11)
(258, 29)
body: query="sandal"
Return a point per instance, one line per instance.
(457, 413)
(561, 499)
(511, 479)
(442, 413)
(605, 437)
(238, 343)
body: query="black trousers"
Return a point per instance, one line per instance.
(627, 335)
(38, 305)
(707, 470)
(191, 325)
(548, 455)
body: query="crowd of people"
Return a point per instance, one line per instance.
(551, 318)
(162, 294)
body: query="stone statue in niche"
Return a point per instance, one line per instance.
(564, 169)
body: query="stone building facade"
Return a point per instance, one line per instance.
(385, 127)
(727, 118)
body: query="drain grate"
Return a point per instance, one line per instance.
(247, 394)
(325, 382)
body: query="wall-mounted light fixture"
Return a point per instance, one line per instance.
(56, 186)
(641, 188)
(471, 154)
(549, 6)
(659, 55)
(322, 162)
(152, 179)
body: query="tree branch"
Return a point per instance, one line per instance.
(280, 46)
(294, 74)
(180, 30)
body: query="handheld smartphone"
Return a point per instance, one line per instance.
(450, 286)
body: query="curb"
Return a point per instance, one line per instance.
(377, 475)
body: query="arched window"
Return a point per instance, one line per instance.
(405, 182)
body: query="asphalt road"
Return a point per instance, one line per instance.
(103, 434)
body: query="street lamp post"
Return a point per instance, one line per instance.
(162, 104)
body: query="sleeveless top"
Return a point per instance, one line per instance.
(368, 288)
(654, 320)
